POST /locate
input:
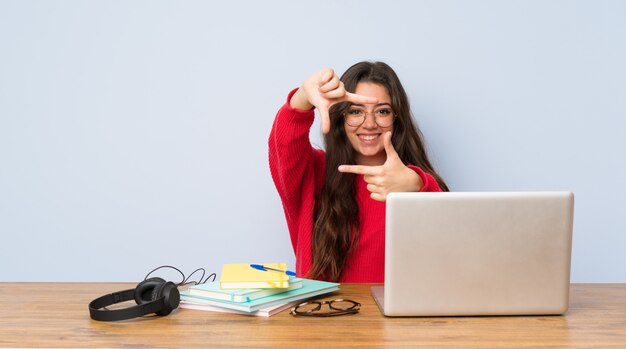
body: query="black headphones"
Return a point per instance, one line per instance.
(153, 295)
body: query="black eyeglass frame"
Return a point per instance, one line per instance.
(353, 309)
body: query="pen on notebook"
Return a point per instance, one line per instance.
(264, 268)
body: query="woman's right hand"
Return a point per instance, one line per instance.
(323, 89)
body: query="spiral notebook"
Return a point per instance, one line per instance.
(213, 290)
(310, 288)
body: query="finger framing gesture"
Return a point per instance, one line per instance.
(322, 90)
(392, 176)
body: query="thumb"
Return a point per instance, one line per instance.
(389, 149)
(325, 119)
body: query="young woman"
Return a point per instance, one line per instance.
(334, 200)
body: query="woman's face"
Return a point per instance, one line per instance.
(367, 139)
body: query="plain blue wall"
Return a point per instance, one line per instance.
(134, 133)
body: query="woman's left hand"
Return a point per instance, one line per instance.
(392, 176)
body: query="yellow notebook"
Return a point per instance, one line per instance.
(244, 276)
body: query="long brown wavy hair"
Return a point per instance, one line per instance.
(336, 219)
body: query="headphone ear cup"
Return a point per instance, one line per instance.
(157, 292)
(169, 291)
(145, 290)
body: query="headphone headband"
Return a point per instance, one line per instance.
(152, 295)
(165, 298)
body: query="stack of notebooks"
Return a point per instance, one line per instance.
(248, 291)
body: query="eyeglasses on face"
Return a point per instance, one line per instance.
(355, 116)
(336, 307)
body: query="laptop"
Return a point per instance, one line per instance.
(482, 253)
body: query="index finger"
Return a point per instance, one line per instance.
(359, 169)
(359, 99)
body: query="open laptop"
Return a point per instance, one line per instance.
(487, 253)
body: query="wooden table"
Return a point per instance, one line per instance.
(56, 315)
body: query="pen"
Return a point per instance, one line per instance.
(264, 268)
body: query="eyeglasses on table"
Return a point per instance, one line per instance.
(336, 307)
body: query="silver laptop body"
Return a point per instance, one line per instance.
(483, 253)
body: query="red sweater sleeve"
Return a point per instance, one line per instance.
(430, 184)
(298, 173)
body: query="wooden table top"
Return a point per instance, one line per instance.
(56, 315)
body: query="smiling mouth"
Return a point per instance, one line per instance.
(369, 138)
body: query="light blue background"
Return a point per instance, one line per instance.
(134, 133)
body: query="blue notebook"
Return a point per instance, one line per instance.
(213, 290)
(310, 288)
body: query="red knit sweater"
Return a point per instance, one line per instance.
(298, 172)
